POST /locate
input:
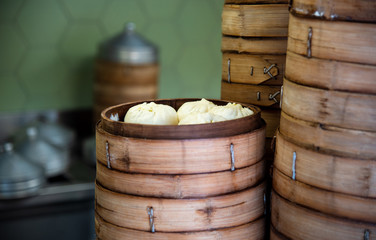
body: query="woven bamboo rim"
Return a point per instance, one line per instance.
(332, 203)
(329, 140)
(180, 215)
(342, 41)
(181, 186)
(335, 108)
(249, 231)
(348, 10)
(344, 175)
(253, 69)
(329, 74)
(254, 45)
(185, 156)
(259, 95)
(261, 20)
(296, 222)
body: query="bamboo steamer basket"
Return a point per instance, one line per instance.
(254, 45)
(334, 108)
(330, 74)
(333, 40)
(332, 203)
(330, 140)
(249, 231)
(271, 117)
(180, 215)
(297, 222)
(275, 235)
(344, 10)
(258, 20)
(332, 173)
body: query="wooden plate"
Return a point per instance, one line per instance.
(180, 215)
(193, 131)
(166, 156)
(181, 186)
(334, 40)
(332, 203)
(345, 10)
(249, 231)
(335, 108)
(330, 74)
(297, 222)
(254, 45)
(329, 140)
(338, 174)
(261, 20)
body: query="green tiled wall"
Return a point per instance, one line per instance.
(47, 48)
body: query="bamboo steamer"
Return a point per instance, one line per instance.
(260, 95)
(334, 108)
(330, 74)
(337, 174)
(181, 186)
(271, 117)
(251, 69)
(297, 222)
(180, 215)
(345, 10)
(275, 235)
(254, 45)
(328, 139)
(333, 40)
(249, 231)
(332, 203)
(259, 20)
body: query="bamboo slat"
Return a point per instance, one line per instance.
(179, 215)
(181, 186)
(299, 223)
(249, 231)
(183, 156)
(332, 203)
(347, 10)
(330, 74)
(344, 175)
(334, 108)
(271, 117)
(252, 69)
(192, 131)
(254, 45)
(247, 93)
(334, 40)
(261, 20)
(329, 140)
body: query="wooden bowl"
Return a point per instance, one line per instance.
(192, 131)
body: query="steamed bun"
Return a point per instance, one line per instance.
(231, 111)
(199, 118)
(201, 106)
(152, 113)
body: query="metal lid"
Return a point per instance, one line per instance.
(129, 47)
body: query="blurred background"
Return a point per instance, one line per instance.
(48, 51)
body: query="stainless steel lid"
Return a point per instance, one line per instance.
(129, 47)
(18, 177)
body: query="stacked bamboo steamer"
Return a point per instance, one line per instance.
(324, 177)
(180, 182)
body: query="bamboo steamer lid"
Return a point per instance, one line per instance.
(330, 74)
(333, 40)
(344, 10)
(297, 222)
(328, 172)
(250, 231)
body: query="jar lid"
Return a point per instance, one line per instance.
(128, 47)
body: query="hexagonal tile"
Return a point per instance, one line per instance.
(197, 21)
(9, 8)
(120, 12)
(85, 9)
(80, 41)
(162, 9)
(164, 35)
(42, 21)
(11, 48)
(11, 95)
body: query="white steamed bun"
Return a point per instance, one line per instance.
(201, 106)
(152, 113)
(199, 118)
(231, 111)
